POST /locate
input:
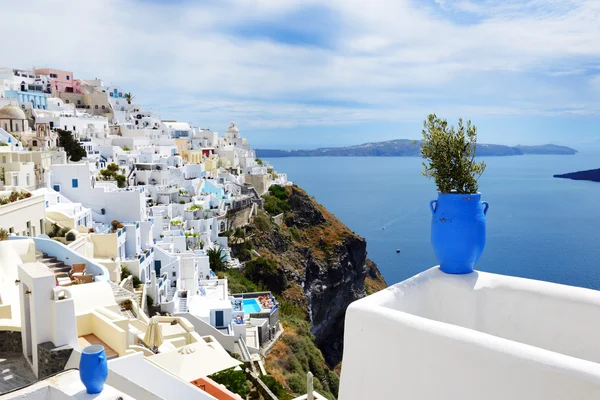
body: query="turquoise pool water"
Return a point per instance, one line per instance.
(251, 306)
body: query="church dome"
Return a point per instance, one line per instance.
(232, 128)
(11, 112)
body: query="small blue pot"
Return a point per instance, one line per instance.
(458, 231)
(93, 369)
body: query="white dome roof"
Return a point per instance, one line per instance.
(232, 128)
(11, 112)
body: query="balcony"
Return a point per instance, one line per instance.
(473, 336)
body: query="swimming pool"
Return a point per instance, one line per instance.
(251, 306)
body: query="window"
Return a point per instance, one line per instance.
(65, 127)
(174, 274)
(56, 188)
(11, 229)
(53, 76)
(27, 180)
(96, 106)
(41, 226)
(51, 125)
(78, 102)
(74, 128)
(111, 95)
(103, 106)
(74, 183)
(67, 101)
(46, 203)
(68, 77)
(28, 228)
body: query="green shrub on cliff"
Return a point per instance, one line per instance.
(239, 283)
(279, 192)
(276, 200)
(262, 222)
(275, 206)
(234, 380)
(276, 387)
(265, 272)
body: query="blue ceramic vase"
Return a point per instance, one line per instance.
(93, 369)
(458, 231)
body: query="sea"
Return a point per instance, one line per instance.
(538, 226)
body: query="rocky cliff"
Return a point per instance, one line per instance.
(313, 262)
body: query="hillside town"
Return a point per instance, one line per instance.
(114, 227)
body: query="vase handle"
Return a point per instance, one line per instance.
(101, 359)
(431, 203)
(485, 206)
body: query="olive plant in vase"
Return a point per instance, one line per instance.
(458, 215)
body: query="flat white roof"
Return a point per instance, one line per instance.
(89, 296)
(201, 306)
(194, 361)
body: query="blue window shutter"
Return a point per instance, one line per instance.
(74, 183)
(56, 187)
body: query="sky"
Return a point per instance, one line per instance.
(305, 73)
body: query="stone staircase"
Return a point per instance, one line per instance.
(53, 263)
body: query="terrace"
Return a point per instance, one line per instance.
(254, 303)
(473, 336)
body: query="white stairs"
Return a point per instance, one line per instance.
(183, 307)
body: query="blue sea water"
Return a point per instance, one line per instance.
(538, 226)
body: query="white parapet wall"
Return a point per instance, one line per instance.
(471, 337)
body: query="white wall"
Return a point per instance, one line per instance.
(154, 379)
(476, 336)
(15, 216)
(122, 205)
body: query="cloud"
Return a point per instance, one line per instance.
(277, 63)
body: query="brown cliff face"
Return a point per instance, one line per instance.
(314, 262)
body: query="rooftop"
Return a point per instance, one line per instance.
(65, 385)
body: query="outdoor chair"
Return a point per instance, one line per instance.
(63, 279)
(78, 270)
(86, 278)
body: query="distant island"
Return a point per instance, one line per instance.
(410, 148)
(589, 175)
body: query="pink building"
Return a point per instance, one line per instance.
(60, 81)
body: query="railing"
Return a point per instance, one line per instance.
(245, 352)
(62, 252)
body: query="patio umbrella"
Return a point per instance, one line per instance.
(153, 337)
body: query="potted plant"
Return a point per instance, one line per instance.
(127, 304)
(458, 221)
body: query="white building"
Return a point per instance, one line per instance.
(77, 183)
(65, 213)
(177, 130)
(60, 115)
(22, 212)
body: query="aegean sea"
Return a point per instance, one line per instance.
(538, 226)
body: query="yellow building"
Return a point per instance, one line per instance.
(211, 165)
(192, 156)
(182, 145)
